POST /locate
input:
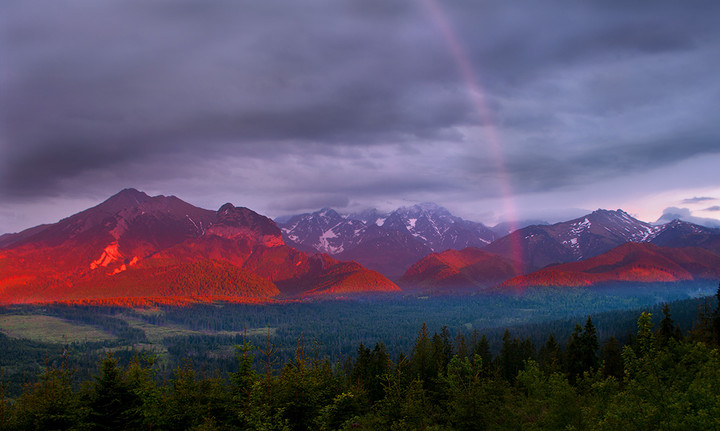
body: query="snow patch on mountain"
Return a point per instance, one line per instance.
(324, 244)
(434, 226)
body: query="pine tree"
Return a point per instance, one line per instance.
(421, 358)
(113, 405)
(461, 346)
(611, 359)
(482, 349)
(590, 346)
(574, 355)
(550, 356)
(50, 403)
(667, 330)
(511, 357)
(716, 317)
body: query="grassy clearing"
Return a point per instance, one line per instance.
(156, 333)
(50, 329)
(149, 311)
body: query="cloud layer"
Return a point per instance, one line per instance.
(294, 105)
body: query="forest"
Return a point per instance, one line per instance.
(663, 372)
(207, 333)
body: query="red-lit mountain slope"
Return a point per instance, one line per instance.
(135, 246)
(630, 262)
(469, 267)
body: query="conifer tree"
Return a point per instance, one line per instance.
(611, 359)
(590, 346)
(461, 346)
(574, 355)
(667, 330)
(716, 317)
(482, 349)
(422, 355)
(550, 356)
(113, 405)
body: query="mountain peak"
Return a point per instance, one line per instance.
(327, 212)
(124, 199)
(226, 208)
(232, 220)
(429, 206)
(423, 206)
(617, 214)
(602, 211)
(130, 194)
(414, 211)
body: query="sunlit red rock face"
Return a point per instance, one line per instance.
(137, 246)
(470, 267)
(631, 262)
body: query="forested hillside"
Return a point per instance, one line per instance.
(661, 377)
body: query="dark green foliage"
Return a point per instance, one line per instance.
(113, 401)
(611, 359)
(481, 348)
(716, 318)
(461, 345)
(513, 355)
(581, 352)
(667, 331)
(421, 364)
(370, 371)
(550, 356)
(49, 404)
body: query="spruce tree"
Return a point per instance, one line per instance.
(113, 405)
(574, 355)
(589, 346)
(716, 317)
(550, 356)
(667, 330)
(611, 359)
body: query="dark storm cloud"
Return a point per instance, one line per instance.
(296, 203)
(574, 89)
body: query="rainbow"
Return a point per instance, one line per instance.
(470, 77)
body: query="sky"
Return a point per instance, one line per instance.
(496, 110)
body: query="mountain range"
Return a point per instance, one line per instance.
(388, 243)
(134, 247)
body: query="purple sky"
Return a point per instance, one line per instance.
(290, 106)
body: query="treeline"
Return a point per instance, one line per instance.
(660, 378)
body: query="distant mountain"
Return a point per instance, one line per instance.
(505, 228)
(470, 267)
(679, 233)
(538, 246)
(438, 229)
(137, 246)
(389, 243)
(672, 213)
(387, 250)
(630, 262)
